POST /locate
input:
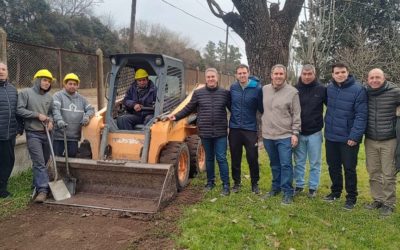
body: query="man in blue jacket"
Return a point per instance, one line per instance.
(8, 128)
(345, 124)
(138, 101)
(246, 99)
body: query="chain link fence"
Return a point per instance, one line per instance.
(24, 60)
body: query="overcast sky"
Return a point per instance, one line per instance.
(157, 11)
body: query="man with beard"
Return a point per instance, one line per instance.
(35, 106)
(138, 99)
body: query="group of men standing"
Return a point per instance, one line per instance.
(292, 121)
(66, 111)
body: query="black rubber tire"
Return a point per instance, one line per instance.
(195, 145)
(171, 154)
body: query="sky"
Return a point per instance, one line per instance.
(158, 11)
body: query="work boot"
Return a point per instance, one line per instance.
(271, 194)
(225, 190)
(385, 210)
(41, 197)
(236, 188)
(298, 190)
(374, 205)
(255, 189)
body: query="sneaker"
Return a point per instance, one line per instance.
(331, 197)
(5, 194)
(225, 190)
(298, 190)
(312, 193)
(41, 197)
(385, 210)
(271, 194)
(255, 189)
(374, 205)
(236, 188)
(349, 205)
(287, 200)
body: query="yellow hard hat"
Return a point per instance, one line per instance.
(43, 73)
(71, 76)
(141, 73)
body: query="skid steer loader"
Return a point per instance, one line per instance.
(139, 170)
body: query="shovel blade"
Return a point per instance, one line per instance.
(59, 190)
(71, 185)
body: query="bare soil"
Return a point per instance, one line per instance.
(60, 227)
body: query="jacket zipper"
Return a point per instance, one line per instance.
(9, 112)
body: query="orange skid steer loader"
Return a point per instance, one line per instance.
(137, 170)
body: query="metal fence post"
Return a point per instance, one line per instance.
(3, 45)
(59, 61)
(100, 80)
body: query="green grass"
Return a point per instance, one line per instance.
(20, 187)
(244, 221)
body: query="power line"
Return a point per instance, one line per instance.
(198, 18)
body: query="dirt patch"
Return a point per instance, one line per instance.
(49, 227)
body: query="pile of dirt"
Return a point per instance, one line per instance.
(48, 227)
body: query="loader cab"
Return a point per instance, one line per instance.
(165, 72)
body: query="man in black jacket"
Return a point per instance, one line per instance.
(211, 102)
(312, 98)
(380, 142)
(8, 128)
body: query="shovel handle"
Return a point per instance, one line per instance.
(51, 151)
(66, 152)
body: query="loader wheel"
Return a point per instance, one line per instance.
(177, 153)
(197, 155)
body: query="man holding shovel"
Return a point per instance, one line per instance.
(35, 106)
(71, 111)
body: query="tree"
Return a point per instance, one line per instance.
(210, 55)
(265, 31)
(73, 8)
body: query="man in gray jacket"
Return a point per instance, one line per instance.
(380, 142)
(35, 106)
(71, 111)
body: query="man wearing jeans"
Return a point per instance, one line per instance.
(380, 141)
(35, 106)
(345, 123)
(211, 103)
(281, 124)
(312, 98)
(246, 99)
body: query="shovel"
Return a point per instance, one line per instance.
(69, 181)
(57, 187)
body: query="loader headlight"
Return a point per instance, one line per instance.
(113, 61)
(158, 61)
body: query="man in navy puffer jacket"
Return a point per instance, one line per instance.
(345, 124)
(246, 99)
(8, 128)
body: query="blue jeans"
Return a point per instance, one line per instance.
(309, 145)
(216, 148)
(280, 156)
(72, 148)
(39, 151)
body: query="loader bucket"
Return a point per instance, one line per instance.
(120, 186)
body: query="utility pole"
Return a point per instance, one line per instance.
(132, 29)
(226, 49)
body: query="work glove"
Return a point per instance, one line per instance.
(62, 124)
(85, 121)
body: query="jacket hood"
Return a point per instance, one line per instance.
(300, 83)
(253, 82)
(386, 86)
(347, 83)
(36, 86)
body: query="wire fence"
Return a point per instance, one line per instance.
(24, 60)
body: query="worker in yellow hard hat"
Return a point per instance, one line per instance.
(138, 101)
(35, 106)
(71, 111)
